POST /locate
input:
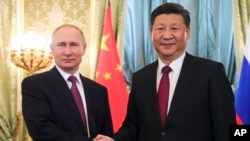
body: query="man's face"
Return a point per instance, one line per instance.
(169, 35)
(68, 47)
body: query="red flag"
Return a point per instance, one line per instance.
(109, 73)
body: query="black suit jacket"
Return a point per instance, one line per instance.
(202, 107)
(51, 114)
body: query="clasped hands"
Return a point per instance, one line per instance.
(100, 137)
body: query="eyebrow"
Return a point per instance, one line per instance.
(71, 42)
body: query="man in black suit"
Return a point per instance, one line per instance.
(49, 109)
(200, 102)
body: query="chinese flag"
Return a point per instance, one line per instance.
(109, 73)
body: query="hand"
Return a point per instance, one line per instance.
(103, 138)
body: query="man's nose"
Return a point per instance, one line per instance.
(67, 49)
(167, 35)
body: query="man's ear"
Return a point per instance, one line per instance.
(187, 34)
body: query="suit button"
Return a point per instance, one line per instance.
(163, 133)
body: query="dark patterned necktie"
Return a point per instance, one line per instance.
(163, 94)
(77, 97)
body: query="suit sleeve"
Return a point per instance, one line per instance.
(107, 128)
(38, 115)
(129, 129)
(222, 104)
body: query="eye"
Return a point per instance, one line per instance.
(61, 44)
(174, 28)
(74, 45)
(160, 28)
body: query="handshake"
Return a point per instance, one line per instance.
(100, 137)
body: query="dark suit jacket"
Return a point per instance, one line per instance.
(202, 107)
(51, 114)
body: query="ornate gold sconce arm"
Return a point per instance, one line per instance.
(31, 60)
(30, 56)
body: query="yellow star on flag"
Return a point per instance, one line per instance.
(97, 74)
(118, 67)
(103, 42)
(107, 75)
(110, 72)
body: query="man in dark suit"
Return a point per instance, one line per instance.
(49, 108)
(200, 102)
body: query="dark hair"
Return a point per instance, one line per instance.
(171, 8)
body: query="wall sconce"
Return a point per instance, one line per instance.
(30, 53)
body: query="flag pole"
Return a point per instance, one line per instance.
(108, 3)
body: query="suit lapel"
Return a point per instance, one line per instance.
(64, 94)
(150, 92)
(185, 79)
(90, 102)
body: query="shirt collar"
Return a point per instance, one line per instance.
(175, 65)
(67, 75)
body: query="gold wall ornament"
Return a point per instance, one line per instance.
(30, 51)
(31, 59)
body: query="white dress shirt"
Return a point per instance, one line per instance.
(79, 87)
(176, 66)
